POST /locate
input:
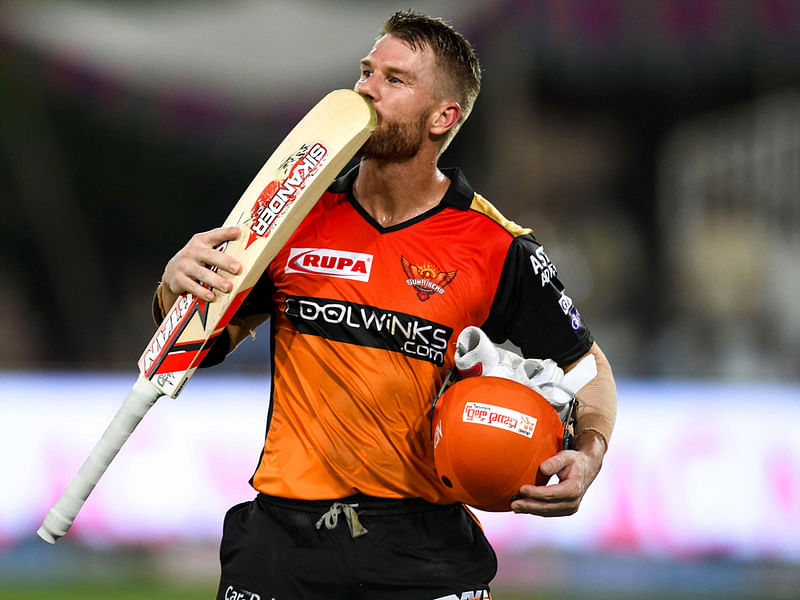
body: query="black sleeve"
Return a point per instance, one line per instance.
(532, 310)
(258, 302)
(218, 351)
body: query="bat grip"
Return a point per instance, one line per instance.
(142, 397)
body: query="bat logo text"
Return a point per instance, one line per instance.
(277, 196)
(170, 324)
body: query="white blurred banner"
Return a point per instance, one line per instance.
(695, 469)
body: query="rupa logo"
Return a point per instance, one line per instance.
(500, 417)
(333, 263)
(471, 595)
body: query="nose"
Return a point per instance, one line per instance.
(367, 88)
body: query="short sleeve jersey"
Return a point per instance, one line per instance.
(364, 321)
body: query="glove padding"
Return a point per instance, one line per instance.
(476, 355)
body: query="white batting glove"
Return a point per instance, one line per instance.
(546, 378)
(476, 355)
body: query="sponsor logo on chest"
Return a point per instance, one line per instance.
(332, 263)
(369, 326)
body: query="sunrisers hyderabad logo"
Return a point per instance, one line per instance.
(426, 279)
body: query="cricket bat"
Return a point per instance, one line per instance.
(283, 192)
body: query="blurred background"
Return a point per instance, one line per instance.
(654, 149)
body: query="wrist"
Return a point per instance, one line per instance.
(591, 442)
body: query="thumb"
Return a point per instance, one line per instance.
(553, 465)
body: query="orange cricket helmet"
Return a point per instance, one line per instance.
(489, 437)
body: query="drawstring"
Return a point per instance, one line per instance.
(331, 518)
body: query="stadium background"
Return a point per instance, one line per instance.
(654, 147)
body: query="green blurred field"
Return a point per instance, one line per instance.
(144, 590)
(151, 590)
(139, 590)
(117, 590)
(36, 571)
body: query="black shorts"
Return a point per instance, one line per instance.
(282, 549)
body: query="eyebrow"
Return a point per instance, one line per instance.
(390, 70)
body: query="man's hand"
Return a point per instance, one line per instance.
(576, 470)
(198, 263)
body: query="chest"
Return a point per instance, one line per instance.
(442, 269)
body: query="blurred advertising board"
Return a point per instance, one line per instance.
(694, 469)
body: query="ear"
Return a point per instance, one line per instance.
(445, 117)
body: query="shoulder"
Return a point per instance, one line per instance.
(462, 196)
(483, 207)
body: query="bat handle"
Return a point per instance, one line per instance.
(142, 397)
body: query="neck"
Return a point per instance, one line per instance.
(394, 192)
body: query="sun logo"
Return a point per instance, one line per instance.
(426, 279)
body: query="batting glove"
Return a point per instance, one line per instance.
(476, 355)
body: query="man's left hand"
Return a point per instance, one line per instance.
(575, 469)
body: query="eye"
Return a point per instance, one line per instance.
(365, 74)
(394, 80)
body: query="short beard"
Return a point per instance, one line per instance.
(395, 140)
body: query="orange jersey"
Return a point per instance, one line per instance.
(364, 323)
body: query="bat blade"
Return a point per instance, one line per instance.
(270, 209)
